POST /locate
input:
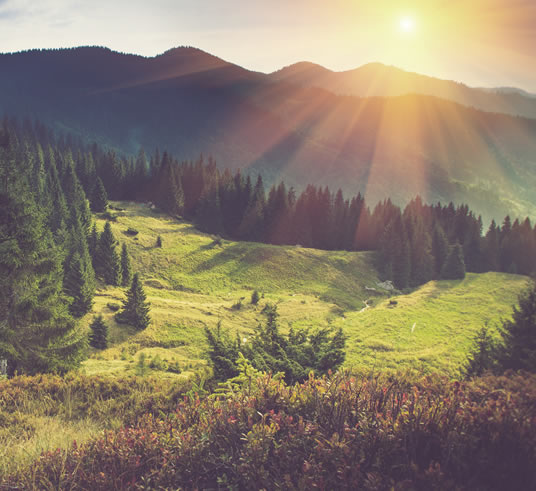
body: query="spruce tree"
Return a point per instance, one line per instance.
(98, 338)
(519, 350)
(99, 201)
(79, 276)
(135, 308)
(93, 243)
(79, 284)
(37, 333)
(107, 262)
(454, 267)
(126, 268)
(440, 248)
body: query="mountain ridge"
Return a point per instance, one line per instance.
(187, 101)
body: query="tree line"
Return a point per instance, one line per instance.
(415, 244)
(51, 253)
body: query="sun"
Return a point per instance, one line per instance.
(406, 24)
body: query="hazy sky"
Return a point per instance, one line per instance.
(479, 42)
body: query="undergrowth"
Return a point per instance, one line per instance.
(336, 432)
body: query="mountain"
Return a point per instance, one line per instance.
(376, 79)
(188, 101)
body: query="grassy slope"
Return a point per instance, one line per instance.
(433, 327)
(192, 283)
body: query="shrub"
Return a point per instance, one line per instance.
(337, 432)
(255, 297)
(131, 231)
(174, 367)
(158, 363)
(237, 305)
(114, 307)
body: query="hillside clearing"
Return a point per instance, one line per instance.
(196, 280)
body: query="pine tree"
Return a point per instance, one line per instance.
(93, 243)
(107, 262)
(208, 215)
(126, 269)
(79, 284)
(169, 195)
(454, 267)
(79, 275)
(440, 248)
(483, 356)
(520, 334)
(135, 308)
(37, 333)
(99, 201)
(98, 337)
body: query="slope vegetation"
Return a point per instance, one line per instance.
(187, 101)
(196, 280)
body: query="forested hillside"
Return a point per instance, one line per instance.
(185, 101)
(145, 295)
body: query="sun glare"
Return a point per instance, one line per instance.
(407, 24)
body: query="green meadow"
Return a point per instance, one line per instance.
(197, 280)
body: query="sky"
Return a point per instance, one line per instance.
(478, 42)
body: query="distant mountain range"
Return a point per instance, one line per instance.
(377, 130)
(376, 79)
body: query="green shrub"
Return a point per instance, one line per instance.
(114, 307)
(237, 305)
(157, 363)
(131, 231)
(337, 432)
(255, 297)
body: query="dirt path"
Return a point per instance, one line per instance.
(367, 306)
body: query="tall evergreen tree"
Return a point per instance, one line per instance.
(108, 264)
(169, 195)
(454, 267)
(519, 350)
(79, 284)
(98, 338)
(93, 243)
(99, 201)
(135, 308)
(126, 268)
(37, 333)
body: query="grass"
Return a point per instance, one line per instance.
(431, 329)
(194, 281)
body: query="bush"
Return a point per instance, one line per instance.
(174, 367)
(114, 307)
(337, 432)
(237, 305)
(255, 297)
(157, 363)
